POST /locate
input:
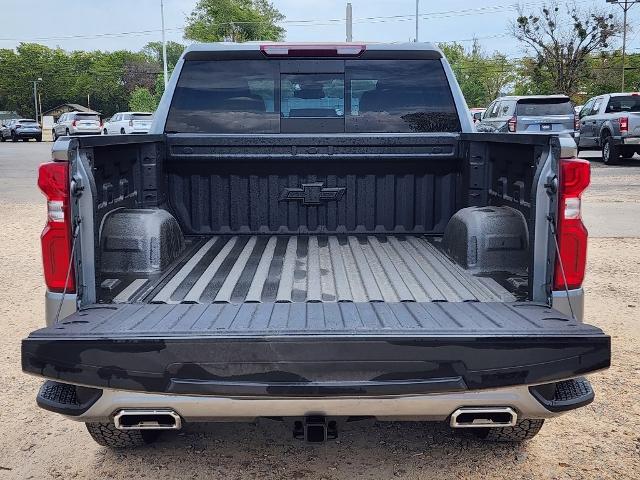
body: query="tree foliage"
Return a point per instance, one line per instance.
(153, 50)
(482, 77)
(142, 100)
(561, 43)
(235, 20)
(109, 79)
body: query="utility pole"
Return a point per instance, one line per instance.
(626, 6)
(417, 19)
(164, 46)
(349, 23)
(35, 96)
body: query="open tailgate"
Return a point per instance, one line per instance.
(307, 349)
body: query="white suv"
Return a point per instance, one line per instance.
(125, 123)
(77, 123)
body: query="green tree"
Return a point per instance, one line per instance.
(142, 100)
(102, 80)
(562, 43)
(153, 50)
(235, 20)
(482, 77)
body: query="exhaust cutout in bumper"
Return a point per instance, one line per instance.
(475, 417)
(160, 419)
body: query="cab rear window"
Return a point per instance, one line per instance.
(360, 96)
(630, 103)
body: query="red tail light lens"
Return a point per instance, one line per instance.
(624, 124)
(512, 124)
(53, 180)
(74, 123)
(575, 175)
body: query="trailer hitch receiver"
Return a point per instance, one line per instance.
(315, 429)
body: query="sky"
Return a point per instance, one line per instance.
(130, 24)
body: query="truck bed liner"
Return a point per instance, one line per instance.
(310, 268)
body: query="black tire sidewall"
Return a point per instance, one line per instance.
(613, 151)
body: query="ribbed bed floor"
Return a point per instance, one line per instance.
(237, 269)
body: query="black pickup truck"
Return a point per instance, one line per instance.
(314, 233)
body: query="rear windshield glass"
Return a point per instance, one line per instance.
(370, 96)
(538, 108)
(87, 116)
(27, 122)
(141, 116)
(624, 104)
(400, 96)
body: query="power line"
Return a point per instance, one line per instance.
(306, 22)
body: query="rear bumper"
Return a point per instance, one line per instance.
(631, 141)
(89, 405)
(97, 131)
(28, 134)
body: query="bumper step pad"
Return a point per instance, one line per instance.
(566, 395)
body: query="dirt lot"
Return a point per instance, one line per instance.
(599, 441)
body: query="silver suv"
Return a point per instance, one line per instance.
(531, 114)
(77, 123)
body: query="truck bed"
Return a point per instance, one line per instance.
(311, 268)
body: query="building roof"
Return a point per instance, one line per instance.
(7, 114)
(72, 107)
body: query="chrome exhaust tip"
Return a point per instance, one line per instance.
(160, 419)
(480, 417)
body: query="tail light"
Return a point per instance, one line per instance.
(624, 124)
(576, 122)
(512, 124)
(131, 123)
(312, 50)
(74, 123)
(575, 175)
(18, 126)
(53, 180)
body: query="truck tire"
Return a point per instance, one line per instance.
(610, 151)
(107, 435)
(523, 430)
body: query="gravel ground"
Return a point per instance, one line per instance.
(601, 440)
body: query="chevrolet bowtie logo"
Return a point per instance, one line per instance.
(313, 193)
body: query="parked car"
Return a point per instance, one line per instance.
(23, 129)
(476, 114)
(312, 233)
(611, 123)
(125, 123)
(5, 131)
(530, 114)
(77, 123)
